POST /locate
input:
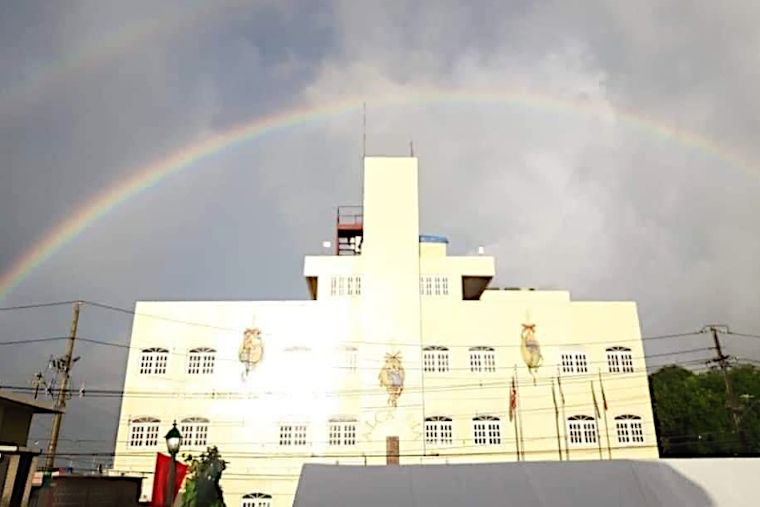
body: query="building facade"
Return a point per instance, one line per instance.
(403, 354)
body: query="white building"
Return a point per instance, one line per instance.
(403, 354)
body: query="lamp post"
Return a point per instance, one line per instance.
(173, 442)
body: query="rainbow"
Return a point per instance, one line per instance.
(186, 157)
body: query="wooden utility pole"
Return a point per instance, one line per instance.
(64, 381)
(723, 363)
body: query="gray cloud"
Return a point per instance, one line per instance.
(593, 203)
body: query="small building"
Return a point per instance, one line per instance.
(18, 462)
(622, 483)
(87, 491)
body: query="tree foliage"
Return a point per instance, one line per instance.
(202, 487)
(694, 418)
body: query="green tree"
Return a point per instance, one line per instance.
(202, 487)
(693, 416)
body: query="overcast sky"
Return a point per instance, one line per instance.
(563, 196)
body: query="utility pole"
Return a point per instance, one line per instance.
(723, 363)
(61, 402)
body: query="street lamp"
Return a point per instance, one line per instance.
(173, 443)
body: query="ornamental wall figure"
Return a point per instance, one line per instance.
(391, 377)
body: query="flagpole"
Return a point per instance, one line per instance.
(556, 420)
(564, 417)
(606, 425)
(512, 415)
(519, 415)
(598, 416)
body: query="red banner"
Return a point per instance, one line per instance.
(161, 476)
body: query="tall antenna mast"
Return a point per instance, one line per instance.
(364, 129)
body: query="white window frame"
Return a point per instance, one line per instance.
(154, 361)
(573, 361)
(294, 434)
(143, 432)
(434, 285)
(341, 432)
(582, 431)
(349, 357)
(435, 359)
(486, 430)
(619, 360)
(194, 431)
(629, 429)
(439, 430)
(256, 500)
(346, 285)
(482, 359)
(201, 361)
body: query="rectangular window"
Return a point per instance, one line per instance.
(482, 359)
(146, 363)
(434, 285)
(620, 360)
(341, 286)
(435, 360)
(582, 431)
(194, 433)
(574, 362)
(194, 364)
(256, 502)
(153, 361)
(161, 360)
(137, 435)
(201, 362)
(292, 434)
(143, 434)
(350, 357)
(439, 432)
(487, 432)
(342, 433)
(629, 431)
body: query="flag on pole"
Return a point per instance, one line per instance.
(161, 476)
(596, 405)
(559, 385)
(512, 400)
(601, 386)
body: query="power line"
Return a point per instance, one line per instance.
(240, 330)
(34, 340)
(746, 335)
(569, 379)
(36, 305)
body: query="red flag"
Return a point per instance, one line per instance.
(161, 476)
(512, 400)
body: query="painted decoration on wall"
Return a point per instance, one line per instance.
(251, 349)
(392, 377)
(530, 349)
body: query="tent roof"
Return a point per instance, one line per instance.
(622, 483)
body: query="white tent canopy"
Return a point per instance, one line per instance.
(619, 483)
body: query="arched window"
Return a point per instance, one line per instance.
(619, 360)
(342, 431)
(349, 358)
(581, 430)
(435, 358)
(153, 361)
(439, 430)
(143, 432)
(629, 429)
(256, 500)
(194, 431)
(200, 361)
(482, 359)
(486, 430)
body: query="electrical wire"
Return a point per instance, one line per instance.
(34, 340)
(37, 305)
